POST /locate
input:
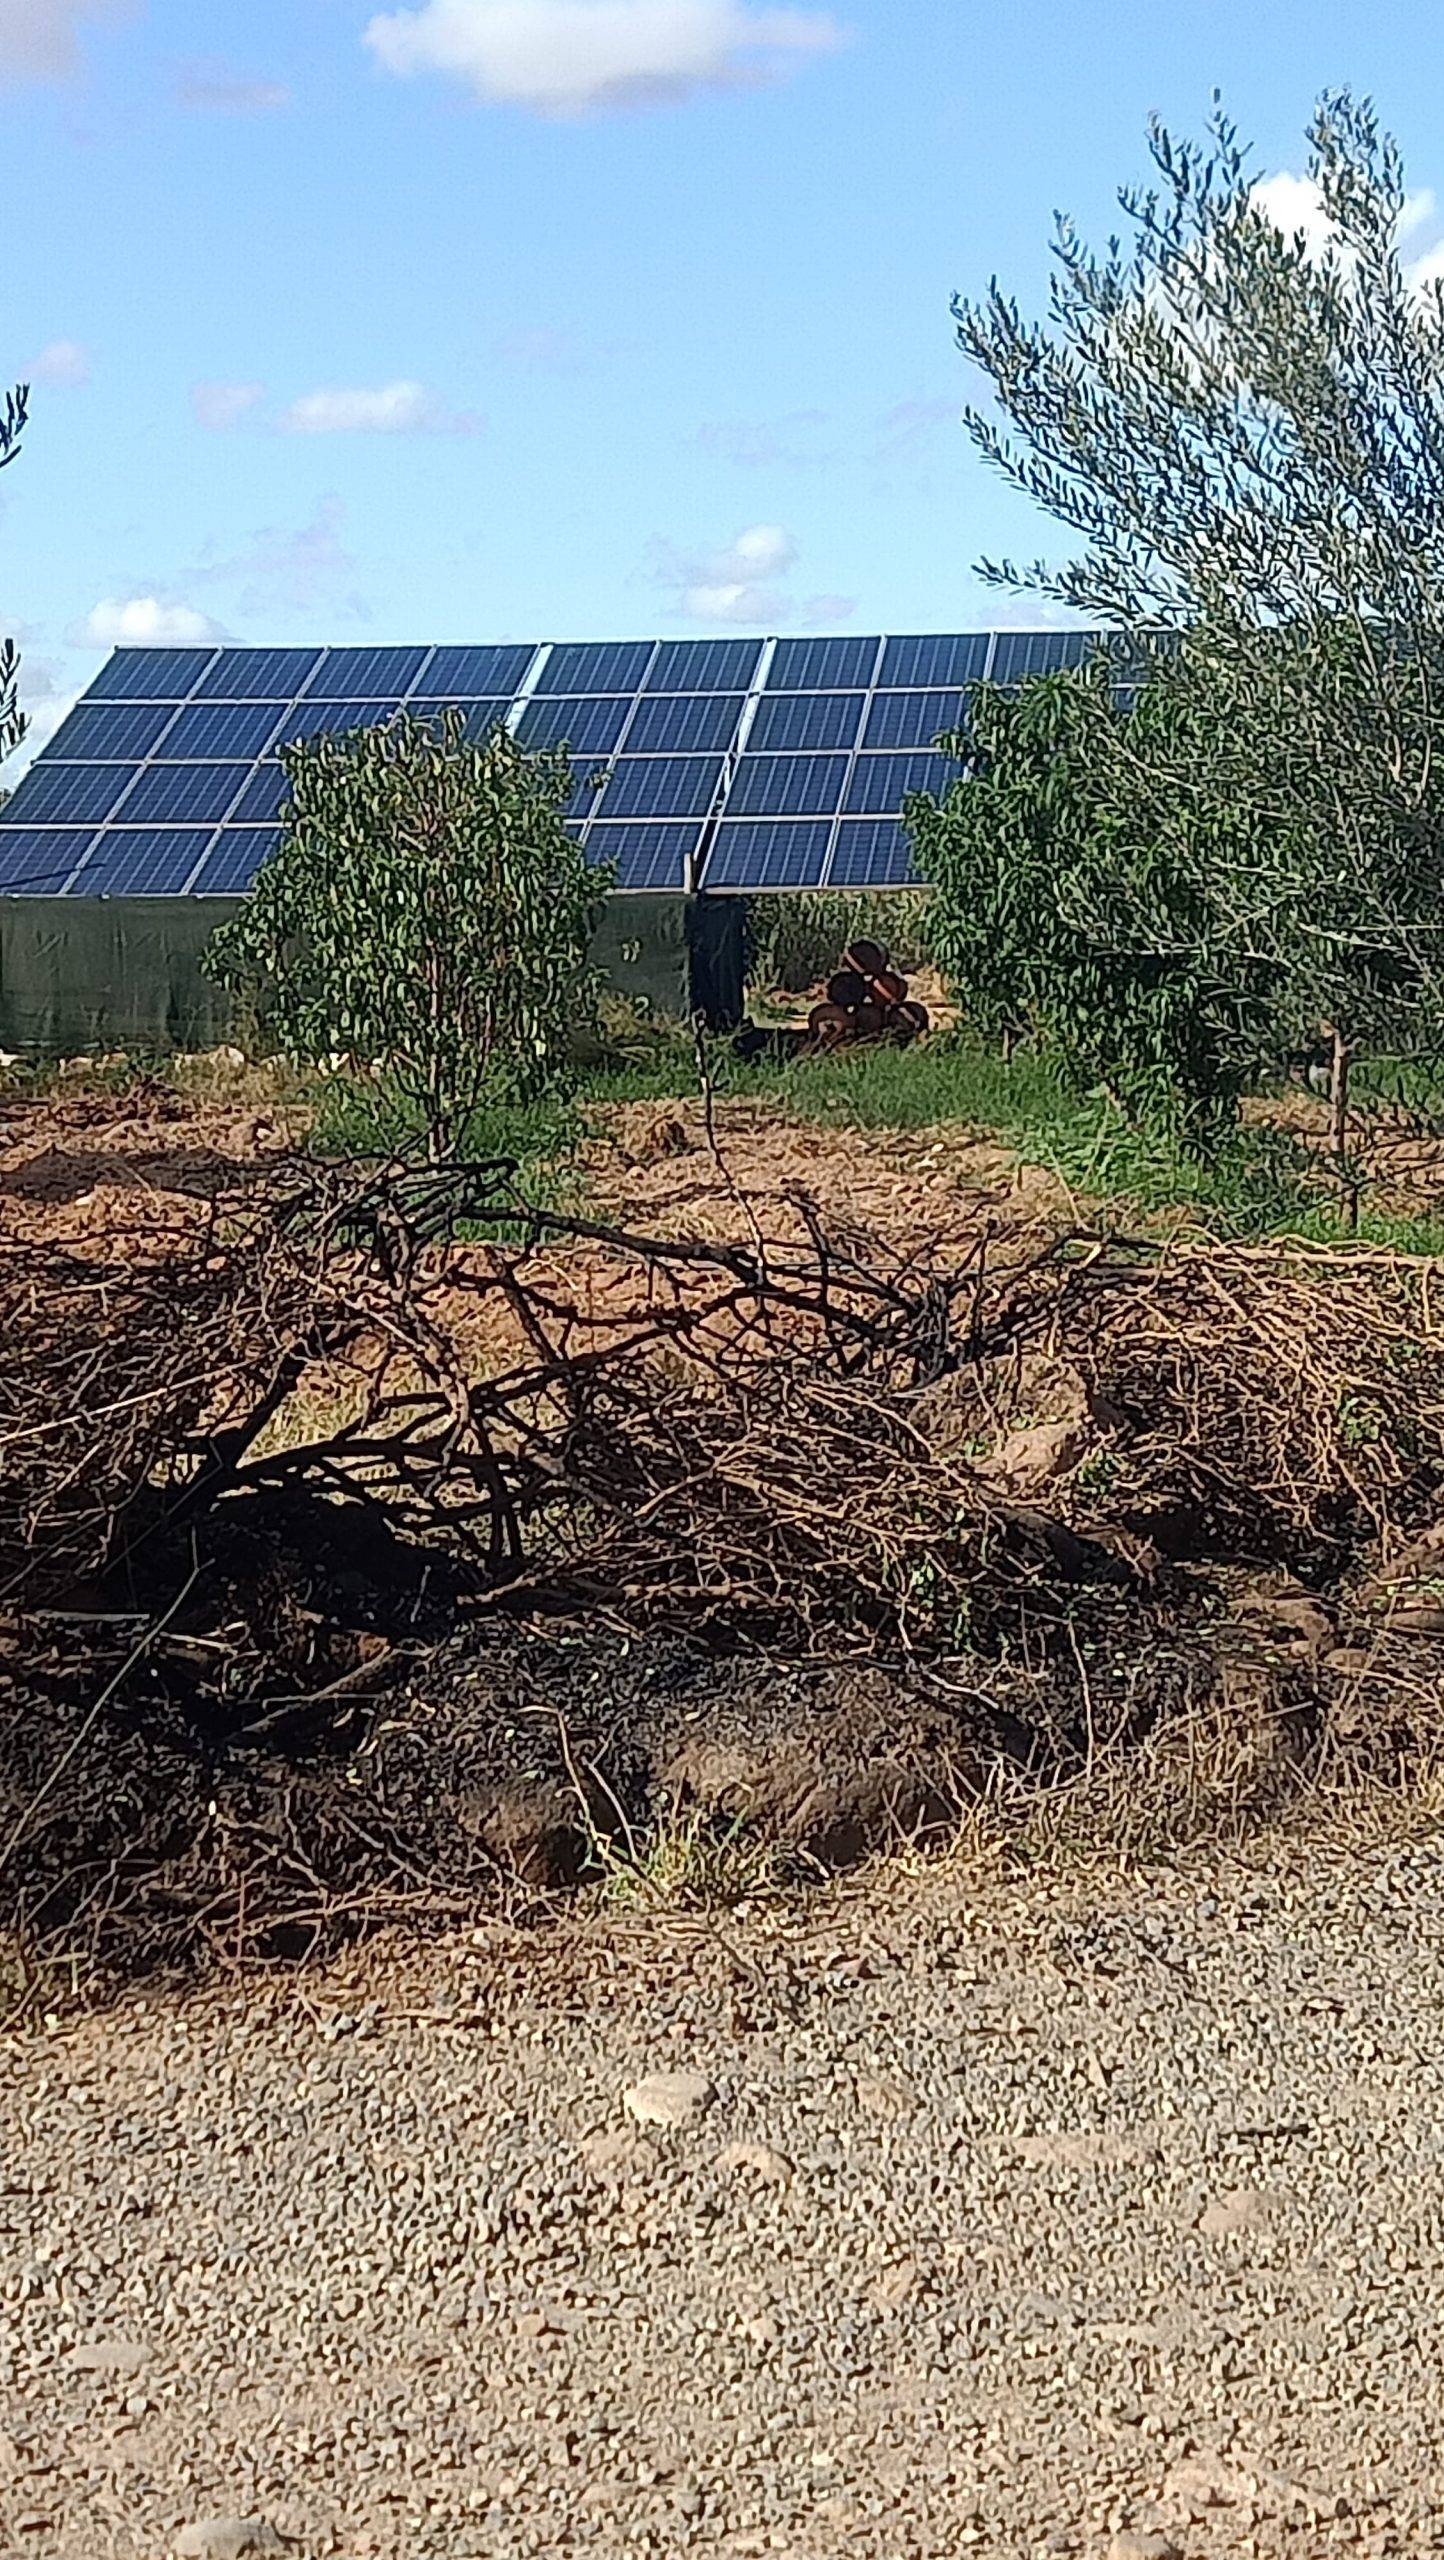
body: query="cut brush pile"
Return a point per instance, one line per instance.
(312, 1618)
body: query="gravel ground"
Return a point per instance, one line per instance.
(1045, 2219)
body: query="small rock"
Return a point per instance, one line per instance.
(895, 2286)
(674, 2098)
(109, 2355)
(227, 2538)
(1143, 2546)
(757, 2160)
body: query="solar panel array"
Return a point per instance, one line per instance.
(728, 765)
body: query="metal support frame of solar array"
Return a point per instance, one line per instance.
(731, 765)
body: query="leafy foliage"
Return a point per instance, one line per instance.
(1246, 428)
(1075, 899)
(426, 909)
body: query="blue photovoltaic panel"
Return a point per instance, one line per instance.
(912, 719)
(348, 675)
(821, 666)
(220, 729)
(39, 860)
(99, 732)
(257, 675)
(704, 666)
(880, 784)
(789, 722)
(68, 795)
(233, 861)
(260, 803)
(769, 855)
(936, 658)
(681, 724)
(646, 856)
(150, 675)
(787, 786)
(181, 794)
(587, 727)
(596, 666)
(1037, 653)
(477, 718)
(661, 787)
(308, 719)
(872, 853)
(461, 675)
(142, 862)
(585, 770)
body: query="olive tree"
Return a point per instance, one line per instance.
(1244, 428)
(426, 908)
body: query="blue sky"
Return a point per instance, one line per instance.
(473, 319)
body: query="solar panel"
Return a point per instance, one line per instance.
(71, 794)
(150, 675)
(261, 801)
(704, 666)
(39, 860)
(786, 722)
(661, 787)
(787, 786)
(173, 794)
(310, 718)
(142, 862)
(220, 729)
(684, 724)
(588, 727)
(821, 666)
(596, 666)
(233, 861)
(347, 675)
(882, 783)
(779, 854)
(478, 719)
(101, 732)
(872, 853)
(460, 675)
(257, 675)
(802, 750)
(1037, 653)
(912, 719)
(936, 658)
(648, 855)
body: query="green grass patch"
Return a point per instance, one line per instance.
(362, 1116)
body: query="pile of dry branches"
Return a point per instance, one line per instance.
(243, 1486)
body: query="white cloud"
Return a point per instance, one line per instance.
(566, 57)
(40, 39)
(395, 409)
(63, 363)
(209, 88)
(146, 622)
(1295, 206)
(744, 583)
(219, 405)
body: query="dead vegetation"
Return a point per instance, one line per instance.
(349, 1570)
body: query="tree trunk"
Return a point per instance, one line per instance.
(1339, 1119)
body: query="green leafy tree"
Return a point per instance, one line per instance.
(425, 908)
(12, 723)
(1074, 900)
(1245, 429)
